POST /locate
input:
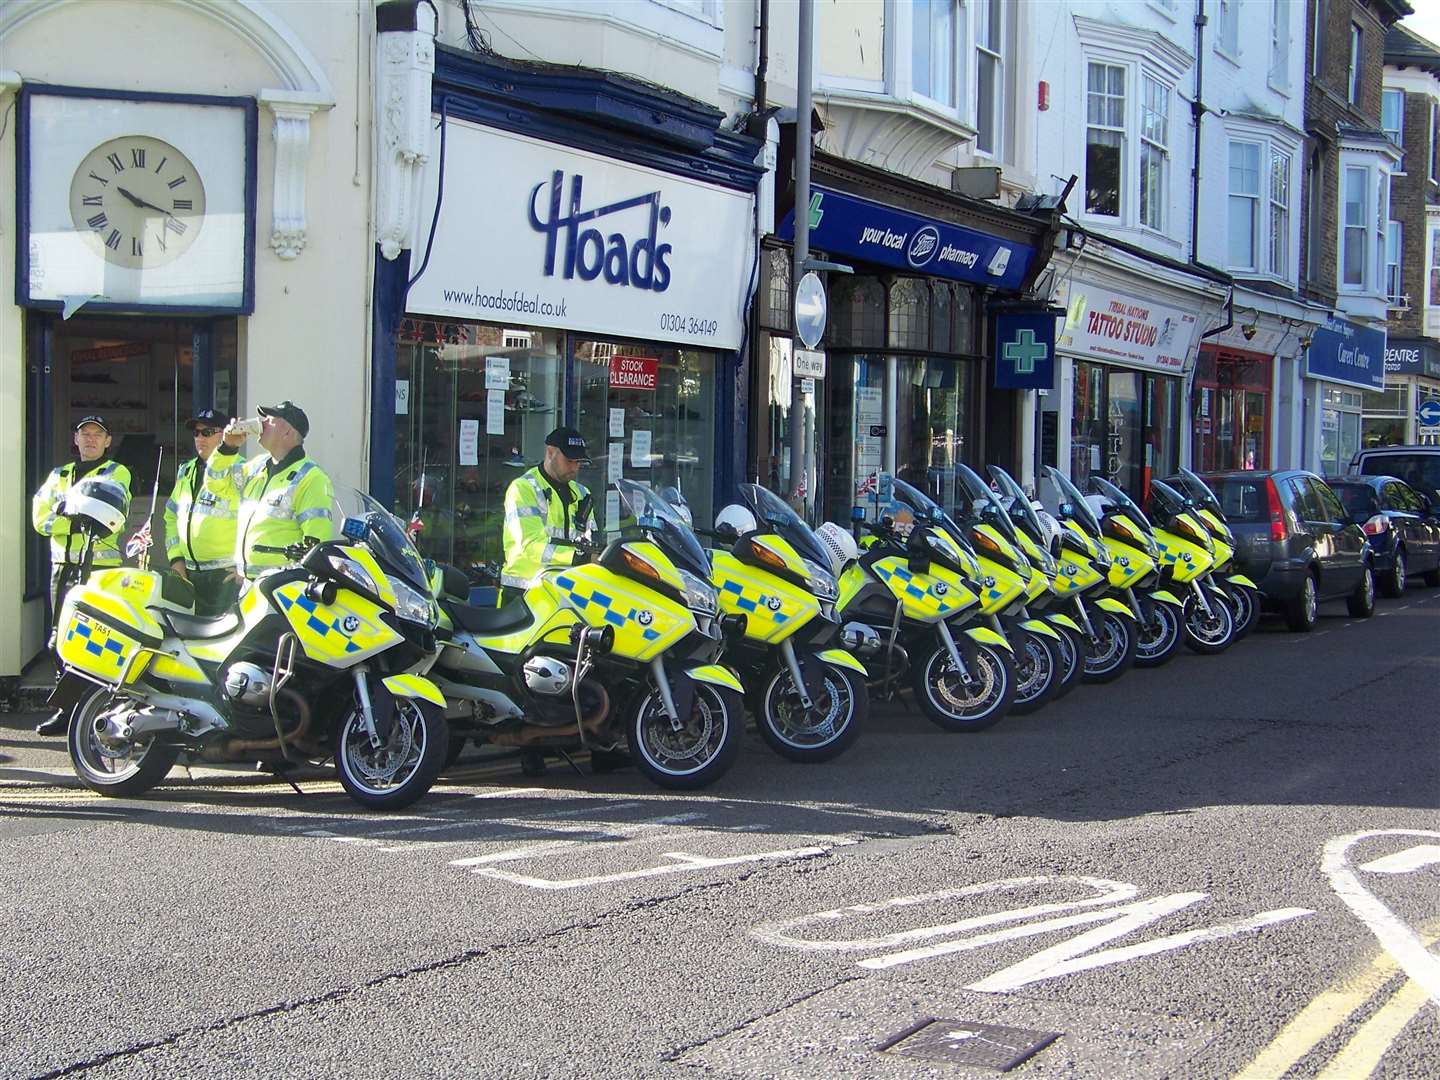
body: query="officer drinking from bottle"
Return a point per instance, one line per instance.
(200, 519)
(285, 498)
(92, 447)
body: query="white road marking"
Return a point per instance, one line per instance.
(1398, 939)
(1404, 862)
(683, 862)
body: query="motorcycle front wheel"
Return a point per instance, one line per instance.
(1158, 636)
(1244, 608)
(1111, 652)
(108, 765)
(955, 704)
(1072, 661)
(1212, 633)
(403, 769)
(1038, 670)
(823, 731)
(701, 751)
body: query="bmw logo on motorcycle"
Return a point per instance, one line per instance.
(941, 588)
(645, 618)
(773, 603)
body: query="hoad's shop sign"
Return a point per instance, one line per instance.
(535, 234)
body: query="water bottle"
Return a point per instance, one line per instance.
(252, 426)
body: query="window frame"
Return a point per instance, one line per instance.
(1279, 75)
(1138, 71)
(1319, 13)
(998, 22)
(1122, 130)
(1346, 227)
(1394, 249)
(1227, 30)
(1278, 212)
(1162, 147)
(1255, 199)
(959, 72)
(1392, 93)
(1269, 212)
(1357, 64)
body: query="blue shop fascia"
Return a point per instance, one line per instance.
(930, 344)
(1344, 367)
(586, 245)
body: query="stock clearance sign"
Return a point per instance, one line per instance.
(1113, 326)
(535, 234)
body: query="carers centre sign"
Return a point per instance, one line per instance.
(1347, 353)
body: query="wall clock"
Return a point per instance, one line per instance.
(135, 202)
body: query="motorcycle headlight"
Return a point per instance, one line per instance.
(412, 605)
(353, 572)
(822, 583)
(699, 594)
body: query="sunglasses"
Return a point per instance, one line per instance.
(206, 432)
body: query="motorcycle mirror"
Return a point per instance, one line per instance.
(918, 564)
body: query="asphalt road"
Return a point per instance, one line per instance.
(1226, 867)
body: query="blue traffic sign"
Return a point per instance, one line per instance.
(1429, 413)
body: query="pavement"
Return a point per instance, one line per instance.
(1226, 867)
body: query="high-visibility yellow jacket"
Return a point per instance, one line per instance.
(280, 505)
(540, 526)
(201, 515)
(50, 500)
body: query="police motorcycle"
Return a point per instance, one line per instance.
(325, 659)
(618, 649)
(1241, 592)
(1035, 535)
(911, 600)
(1135, 573)
(1035, 644)
(809, 700)
(1189, 556)
(1109, 623)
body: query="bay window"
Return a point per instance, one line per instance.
(1259, 239)
(1244, 205)
(1104, 138)
(1279, 213)
(1154, 152)
(1354, 229)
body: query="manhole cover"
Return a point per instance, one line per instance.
(965, 1042)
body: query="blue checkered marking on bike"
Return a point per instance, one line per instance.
(745, 603)
(83, 629)
(314, 622)
(904, 575)
(601, 600)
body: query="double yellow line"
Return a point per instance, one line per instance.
(1362, 1053)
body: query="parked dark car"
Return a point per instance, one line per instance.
(1403, 527)
(1295, 540)
(1418, 466)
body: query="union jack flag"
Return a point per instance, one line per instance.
(140, 543)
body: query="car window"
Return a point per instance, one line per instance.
(1418, 470)
(1333, 510)
(1242, 499)
(1410, 499)
(1358, 499)
(1303, 502)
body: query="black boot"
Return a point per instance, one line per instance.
(532, 763)
(56, 725)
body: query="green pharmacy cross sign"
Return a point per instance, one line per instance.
(1025, 350)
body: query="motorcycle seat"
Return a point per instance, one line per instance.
(488, 620)
(196, 628)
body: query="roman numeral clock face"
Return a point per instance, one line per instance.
(140, 199)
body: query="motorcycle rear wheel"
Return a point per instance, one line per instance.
(955, 706)
(393, 776)
(113, 767)
(1038, 669)
(1244, 608)
(827, 728)
(702, 750)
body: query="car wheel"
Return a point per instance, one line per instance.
(1432, 578)
(1303, 612)
(1394, 583)
(1362, 601)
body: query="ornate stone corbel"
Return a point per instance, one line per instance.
(405, 66)
(292, 111)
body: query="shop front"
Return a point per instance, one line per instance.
(1398, 415)
(1344, 368)
(1230, 409)
(592, 280)
(1123, 360)
(904, 387)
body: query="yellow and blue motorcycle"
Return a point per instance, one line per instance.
(809, 698)
(1084, 579)
(1188, 554)
(618, 650)
(1241, 591)
(324, 659)
(915, 592)
(1135, 574)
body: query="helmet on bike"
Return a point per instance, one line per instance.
(738, 518)
(97, 503)
(839, 545)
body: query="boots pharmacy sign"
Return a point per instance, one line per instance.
(1125, 329)
(537, 234)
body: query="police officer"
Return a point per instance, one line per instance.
(200, 518)
(92, 446)
(284, 496)
(543, 510)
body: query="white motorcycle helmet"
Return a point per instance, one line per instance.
(97, 504)
(738, 518)
(839, 545)
(1098, 504)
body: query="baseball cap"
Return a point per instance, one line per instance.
(569, 442)
(206, 418)
(291, 413)
(98, 421)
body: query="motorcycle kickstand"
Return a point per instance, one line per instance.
(569, 761)
(283, 772)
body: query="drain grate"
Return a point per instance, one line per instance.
(966, 1042)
